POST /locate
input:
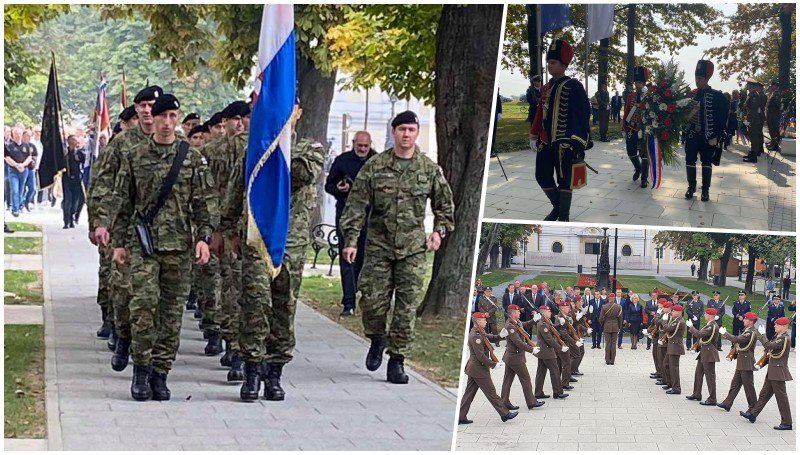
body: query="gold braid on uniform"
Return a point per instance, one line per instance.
(752, 340)
(713, 332)
(785, 343)
(708, 101)
(678, 326)
(559, 124)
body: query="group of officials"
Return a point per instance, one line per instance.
(168, 211)
(562, 320)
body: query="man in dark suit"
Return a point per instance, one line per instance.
(651, 307)
(623, 302)
(510, 297)
(595, 305)
(740, 308)
(774, 312)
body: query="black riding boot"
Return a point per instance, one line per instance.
(236, 373)
(691, 178)
(375, 353)
(564, 203)
(214, 345)
(120, 358)
(637, 167)
(272, 384)
(706, 174)
(552, 194)
(225, 360)
(140, 386)
(252, 381)
(395, 372)
(158, 382)
(112, 339)
(105, 330)
(645, 171)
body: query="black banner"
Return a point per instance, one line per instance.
(52, 141)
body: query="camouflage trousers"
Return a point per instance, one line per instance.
(208, 287)
(254, 328)
(161, 283)
(104, 278)
(381, 277)
(230, 271)
(285, 290)
(120, 297)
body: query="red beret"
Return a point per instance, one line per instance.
(513, 307)
(544, 307)
(662, 301)
(478, 314)
(677, 308)
(751, 316)
(711, 311)
(782, 321)
(563, 303)
(667, 304)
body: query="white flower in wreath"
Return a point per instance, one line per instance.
(683, 102)
(640, 134)
(655, 124)
(652, 114)
(648, 130)
(662, 107)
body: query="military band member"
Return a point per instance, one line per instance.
(774, 311)
(673, 330)
(707, 359)
(740, 308)
(561, 131)
(777, 375)
(694, 311)
(547, 340)
(566, 331)
(745, 345)
(650, 308)
(518, 342)
(705, 131)
(718, 305)
(611, 321)
(481, 361)
(632, 126)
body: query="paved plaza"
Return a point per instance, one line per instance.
(617, 407)
(743, 196)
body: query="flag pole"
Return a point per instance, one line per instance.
(586, 54)
(539, 70)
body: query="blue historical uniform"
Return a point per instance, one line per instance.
(632, 125)
(773, 313)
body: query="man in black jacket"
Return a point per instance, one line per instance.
(71, 181)
(532, 95)
(340, 180)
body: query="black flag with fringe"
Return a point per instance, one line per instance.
(52, 139)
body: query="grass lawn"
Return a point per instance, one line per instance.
(18, 226)
(26, 285)
(513, 130)
(24, 411)
(439, 340)
(499, 276)
(23, 245)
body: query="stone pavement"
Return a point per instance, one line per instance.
(333, 402)
(22, 314)
(22, 262)
(741, 193)
(618, 407)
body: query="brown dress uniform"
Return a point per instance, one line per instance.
(515, 361)
(580, 327)
(611, 320)
(565, 358)
(663, 360)
(656, 352)
(547, 359)
(706, 360)
(745, 361)
(777, 375)
(479, 375)
(488, 305)
(675, 328)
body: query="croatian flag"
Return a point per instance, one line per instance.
(267, 176)
(654, 151)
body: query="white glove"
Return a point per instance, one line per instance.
(665, 317)
(579, 343)
(644, 332)
(504, 332)
(723, 330)
(561, 320)
(589, 330)
(564, 348)
(537, 316)
(591, 309)
(532, 143)
(660, 343)
(578, 316)
(762, 330)
(659, 311)
(536, 350)
(694, 318)
(499, 364)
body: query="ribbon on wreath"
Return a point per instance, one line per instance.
(654, 152)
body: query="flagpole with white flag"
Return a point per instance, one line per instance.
(599, 25)
(267, 174)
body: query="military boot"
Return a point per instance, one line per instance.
(198, 314)
(225, 360)
(272, 383)
(214, 345)
(120, 358)
(645, 172)
(191, 301)
(252, 382)
(236, 373)
(105, 330)
(395, 372)
(691, 177)
(706, 174)
(375, 353)
(112, 339)
(637, 167)
(158, 382)
(552, 195)
(140, 386)
(564, 203)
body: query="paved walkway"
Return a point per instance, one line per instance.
(740, 192)
(22, 314)
(22, 262)
(333, 402)
(618, 408)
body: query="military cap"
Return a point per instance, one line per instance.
(214, 120)
(752, 81)
(487, 288)
(127, 113)
(677, 308)
(776, 296)
(191, 116)
(405, 117)
(198, 129)
(640, 74)
(711, 311)
(662, 301)
(513, 307)
(165, 102)
(782, 321)
(544, 307)
(668, 304)
(240, 108)
(742, 293)
(704, 69)
(478, 314)
(560, 50)
(563, 303)
(751, 316)
(148, 94)
(695, 293)
(716, 292)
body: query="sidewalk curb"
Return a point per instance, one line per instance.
(54, 440)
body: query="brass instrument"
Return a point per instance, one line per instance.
(488, 345)
(733, 354)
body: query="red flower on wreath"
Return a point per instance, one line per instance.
(668, 122)
(670, 108)
(665, 135)
(667, 92)
(663, 83)
(641, 105)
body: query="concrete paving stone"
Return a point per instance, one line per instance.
(534, 438)
(556, 446)
(21, 444)
(475, 446)
(677, 446)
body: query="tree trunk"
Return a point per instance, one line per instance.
(723, 262)
(785, 46)
(467, 40)
(630, 62)
(751, 270)
(483, 252)
(602, 63)
(702, 271)
(494, 254)
(506, 256)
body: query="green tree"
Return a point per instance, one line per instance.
(692, 246)
(18, 21)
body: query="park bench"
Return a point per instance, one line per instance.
(324, 237)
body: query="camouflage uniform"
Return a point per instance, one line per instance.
(398, 192)
(162, 280)
(307, 160)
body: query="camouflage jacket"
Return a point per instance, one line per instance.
(220, 152)
(191, 202)
(232, 208)
(307, 160)
(398, 198)
(100, 203)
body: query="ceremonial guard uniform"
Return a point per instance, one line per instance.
(705, 132)
(518, 342)
(652, 333)
(561, 129)
(777, 375)
(718, 305)
(663, 360)
(547, 342)
(744, 345)
(565, 330)
(706, 360)
(774, 312)
(740, 308)
(694, 311)
(611, 320)
(674, 329)
(650, 308)
(633, 128)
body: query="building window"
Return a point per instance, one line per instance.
(659, 253)
(591, 248)
(557, 247)
(627, 250)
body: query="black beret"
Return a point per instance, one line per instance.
(198, 129)
(192, 116)
(742, 293)
(127, 113)
(240, 108)
(148, 94)
(405, 117)
(214, 120)
(165, 102)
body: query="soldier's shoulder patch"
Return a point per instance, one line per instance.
(512, 331)
(546, 330)
(203, 160)
(477, 341)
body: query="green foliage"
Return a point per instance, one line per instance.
(690, 245)
(509, 235)
(774, 249)
(18, 21)
(23, 378)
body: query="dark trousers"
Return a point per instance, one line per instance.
(487, 387)
(542, 368)
(738, 326)
(554, 168)
(351, 272)
(697, 147)
(756, 140)
(707, 369)
(777, 388)
(657, 359)
(741, 378)
(511, 372)
(597, 333)
(785, 292)
(564, 366)
(664, 361)
(73, 195)
(674, 372)
(773, 126)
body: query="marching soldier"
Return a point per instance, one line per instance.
(694, 311)
(755, 108)
(652, 332)
(583, 329)
(567, 333)
(774, 312)
(481, 361)
(718, 305)
(777, 375)
(673, 332)
(518, 342)
(740, 308)
(611, 320)
(650, 308)
(633, 128)
(744, 347)
(487, 303)
(548, 343)
(707, 359)
(774, 115)
(663, 360)
(705, 132)
(561, 131)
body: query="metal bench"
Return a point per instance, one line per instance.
(324, 236)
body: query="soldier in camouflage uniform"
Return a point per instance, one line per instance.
(102, 209)
(397, 185)
(162, 279)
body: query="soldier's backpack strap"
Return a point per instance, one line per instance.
(169, 181)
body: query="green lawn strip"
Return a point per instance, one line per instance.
(23, 245)
(499, 276)
(29, 227)
(26, 285)
(24, 400)
(732, 293)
